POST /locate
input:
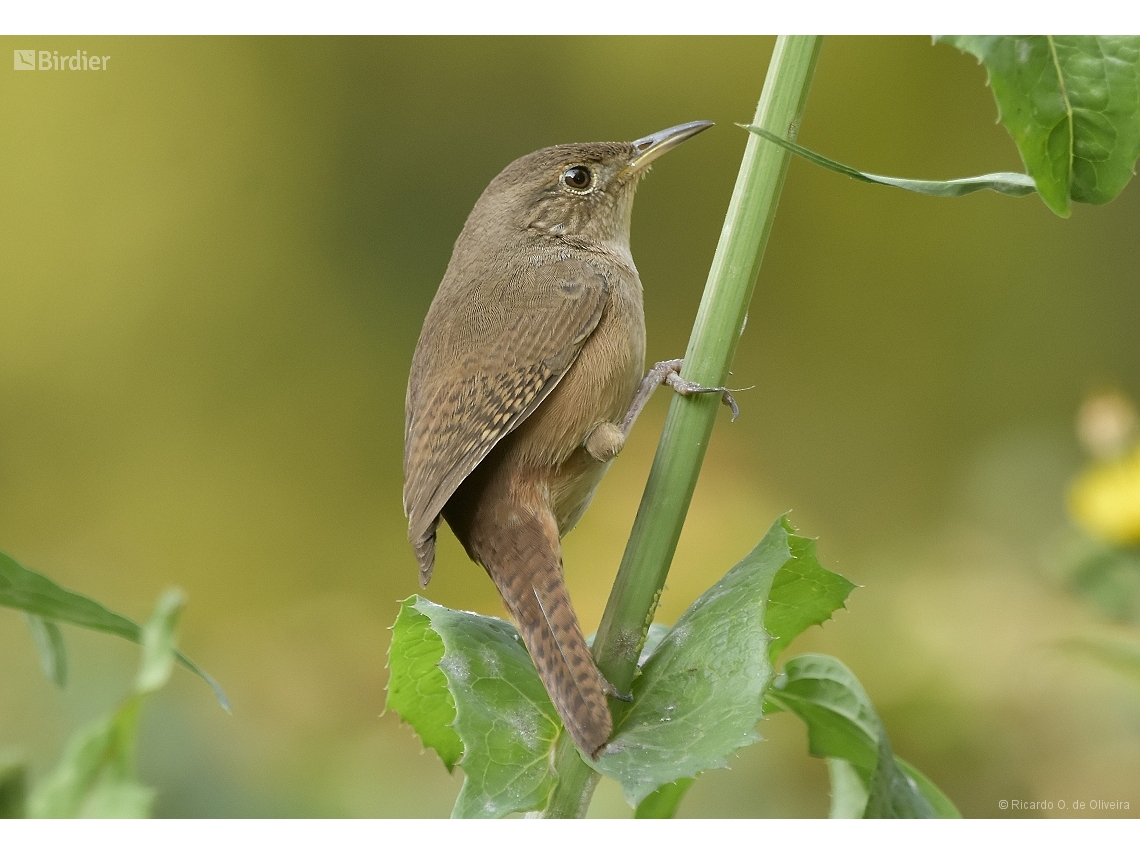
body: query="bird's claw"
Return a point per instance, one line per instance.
(688, 387)
(611, 690)
(729, 401)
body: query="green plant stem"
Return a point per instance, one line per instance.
(684, 439)
(575, 785)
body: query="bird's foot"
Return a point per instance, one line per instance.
(667, 373)
(611, 690)
(687, 387)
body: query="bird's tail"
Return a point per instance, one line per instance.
(526, 565)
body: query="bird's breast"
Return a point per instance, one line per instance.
(598, 386)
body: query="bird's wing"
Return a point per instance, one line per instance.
(482, 366)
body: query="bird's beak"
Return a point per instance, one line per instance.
(653, 146)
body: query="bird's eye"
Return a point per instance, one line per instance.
(577, 178)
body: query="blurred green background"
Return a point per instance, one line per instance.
(215, 257)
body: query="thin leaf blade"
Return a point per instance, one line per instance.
(35, 594)
(1006, 183)
(157, 639)
(51, 647)
(95, 778)
(97, 762)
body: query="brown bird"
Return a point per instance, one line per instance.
(524, 386)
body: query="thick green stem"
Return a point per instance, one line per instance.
(575, 785)
(685, 437)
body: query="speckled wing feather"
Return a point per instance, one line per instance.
(492, 362)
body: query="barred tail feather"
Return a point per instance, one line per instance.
(528, 572)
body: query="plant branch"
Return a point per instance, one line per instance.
(681, 450)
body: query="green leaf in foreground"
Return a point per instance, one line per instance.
(700, 695)
(1072, 106)
(36, 594)
(50, 646)
(13, 785)
(503, 717)
(96, 776)
(157, 639)
(868, 780)
(1007, 183)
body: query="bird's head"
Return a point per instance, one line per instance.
(579, 193)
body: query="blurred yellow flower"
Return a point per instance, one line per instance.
(1107, 424)
(1105, 499)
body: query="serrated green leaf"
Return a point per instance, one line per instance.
(96, 775)
(803, 594)
(36, 594)
(417, 688)
(1006, 183)
(697, 699)
(50, 646)
(1072, 106)
(503, 716)
(663, 802)
(700, 695)
(13, 785)
(842, 723)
